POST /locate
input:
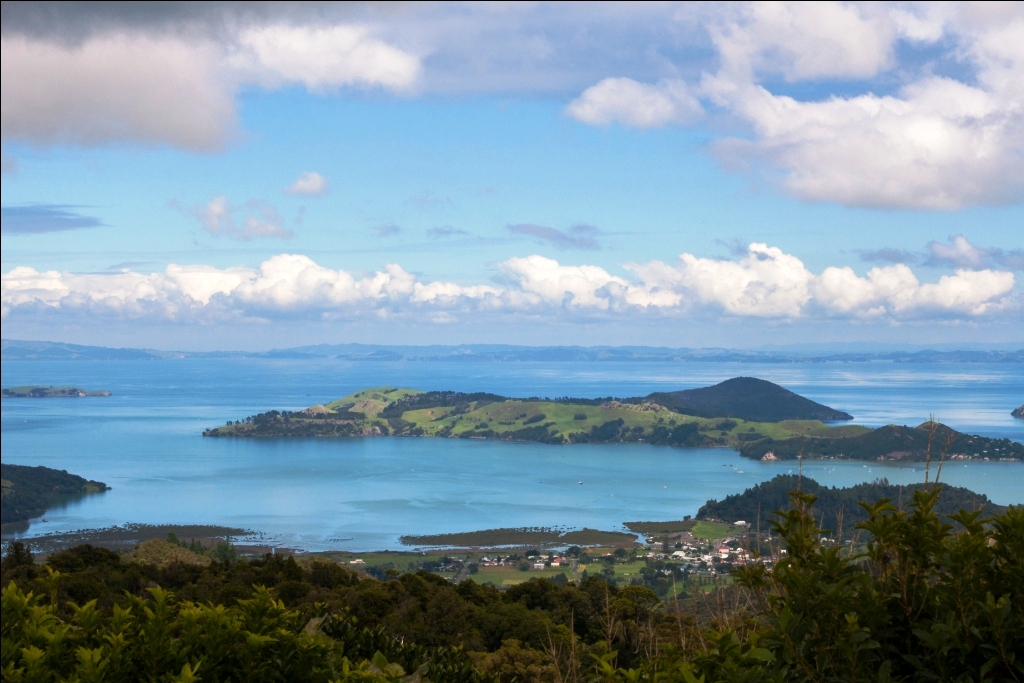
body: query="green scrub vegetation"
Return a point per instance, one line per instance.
(921, 600)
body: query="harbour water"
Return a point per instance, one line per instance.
(145, 441)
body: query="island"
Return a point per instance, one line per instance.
(29, 491)
(35, 391)
(1019, 412)
(758, 418)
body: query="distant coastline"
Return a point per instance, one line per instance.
(36, 391)
(16, 349)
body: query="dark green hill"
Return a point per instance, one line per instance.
(891, 442)
(29, 491)
(747, 398)
(774, 495)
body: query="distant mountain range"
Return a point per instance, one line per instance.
(13, 349)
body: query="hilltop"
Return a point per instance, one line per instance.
(748, 398)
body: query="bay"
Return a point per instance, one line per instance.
(145, 441)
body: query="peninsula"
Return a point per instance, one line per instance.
(760, 419)
(28, 491)
(35, 391)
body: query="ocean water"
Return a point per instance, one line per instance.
(359, 494)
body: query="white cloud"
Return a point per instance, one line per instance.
(174, 87)
(939, 144)
(323, 58)
(259, 220)
(625, 101)
(310, 184)
(764, 283)
(804, 41)
(895, 290)
(112, 89)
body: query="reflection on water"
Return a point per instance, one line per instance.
(363, 493)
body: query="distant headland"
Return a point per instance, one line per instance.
(760, 419)
(35, 391)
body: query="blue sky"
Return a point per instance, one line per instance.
(531, 174)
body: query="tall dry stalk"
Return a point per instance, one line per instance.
(928, 453)
(945, 451)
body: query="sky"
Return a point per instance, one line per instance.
(249, 176)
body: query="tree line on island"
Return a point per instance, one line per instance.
(920, 600)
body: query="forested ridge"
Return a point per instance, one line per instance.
(890, 442)
(29, 491)
(919, 602)
(833, 503)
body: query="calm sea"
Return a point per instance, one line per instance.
(145, 441)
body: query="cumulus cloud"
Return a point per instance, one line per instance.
(765, 283)
(33, 219)
(578, 236)
(625, 101)
(114, 88)
(171, 84)
(939, 144)
(259, 219)
(801, 41)
(310, 184)
(323, 58)
(936, 143)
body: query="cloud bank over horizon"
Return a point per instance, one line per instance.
(765, 283)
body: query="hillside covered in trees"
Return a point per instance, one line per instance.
(29, 491)
(921, 602)
(890, 442)
(762, 500)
